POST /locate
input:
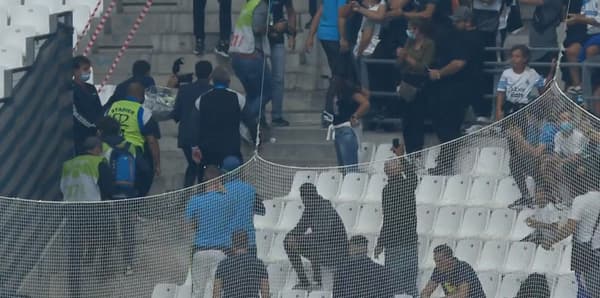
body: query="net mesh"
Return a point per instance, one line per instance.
(456, 194)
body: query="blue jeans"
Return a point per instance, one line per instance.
(403, 262)
(249, 70)
(278, 79)
(346, 146)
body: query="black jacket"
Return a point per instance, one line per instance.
(87, 110)
(400, 209)
(359, 276)
(325, 224)
(185, 110)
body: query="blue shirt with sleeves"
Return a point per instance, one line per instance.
(328, 23)
(243, 198)
(211, 212)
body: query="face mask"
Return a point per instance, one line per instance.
(85, 76)
(410, 34)
(566, 127)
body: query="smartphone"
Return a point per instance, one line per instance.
(396, 143)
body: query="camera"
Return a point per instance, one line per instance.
(182, 79)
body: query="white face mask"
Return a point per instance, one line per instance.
(85, 76)
(410, 34)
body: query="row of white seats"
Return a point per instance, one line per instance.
(447, 221)
(498, 255)
(438, 190)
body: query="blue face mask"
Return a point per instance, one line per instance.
(85, 76)
(566, 127)
(410, 34)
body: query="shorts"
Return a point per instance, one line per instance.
(591, 40)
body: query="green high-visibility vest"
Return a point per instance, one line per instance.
(79, 180)
(127, 113)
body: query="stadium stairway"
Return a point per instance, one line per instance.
(167, 34)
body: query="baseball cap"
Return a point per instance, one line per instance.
(462, 13)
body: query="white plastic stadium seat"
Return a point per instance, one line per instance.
(375, 188)
(519, 257)
(2, 69)
(521, 229)
(510, 285)
(489, 162)
(10, 57)
(500, 224)
(492, 255)
(447, 221)
(290, 215)
(320, 294)
(328, 184)
(481, 192)
(545, 260)
(15, 36)
(278, 273)
(293, 294)
(300, 178)
(366, 152)
(431, 156)
(429, 263)
(505, 167)
(33, 15)
(348, 212)
(164, 291)
(430, 189)
(425, 218)
(474, 222)
(53, 6)
(456, 190)
(271, 217)
(383, 153)
(506, 193)
(466, 160)
(277, 251)
(468, 250)
(423, 243)
(489, 282)
(263, 243)
(564, 267)
(89, 3)
(369, 220)
(352, 187)
(566, 286)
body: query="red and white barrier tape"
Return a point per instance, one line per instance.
(100, 26)
(87, 25)
(125, 45)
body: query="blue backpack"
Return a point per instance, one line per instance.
(122, 163)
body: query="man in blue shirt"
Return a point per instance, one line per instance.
(245, 202)
(325, 26)
(209, 213)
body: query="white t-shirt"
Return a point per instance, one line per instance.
(569, 145)
(591, 9)
(375, 38)
(519, 86)
(584, 211)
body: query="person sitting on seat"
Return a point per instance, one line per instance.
(458, 279)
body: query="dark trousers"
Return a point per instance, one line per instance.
(312, 7)
(332, 51)
(414, 122)
(449, 112)
(312, 247)
(522, 165)
(224, 19)
(194, 172)
(144, 171)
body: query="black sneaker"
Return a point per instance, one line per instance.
(222, 49)
(279, 122)
(199, 49)
(521, 203)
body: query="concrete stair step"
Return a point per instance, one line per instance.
(299, 134)
(188, 6)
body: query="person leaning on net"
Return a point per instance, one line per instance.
(208, 213)
(319, 236)
(398, 236)
(241, 274)
(360, 276)
(457, 278)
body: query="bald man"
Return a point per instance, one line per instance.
(141, 131)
